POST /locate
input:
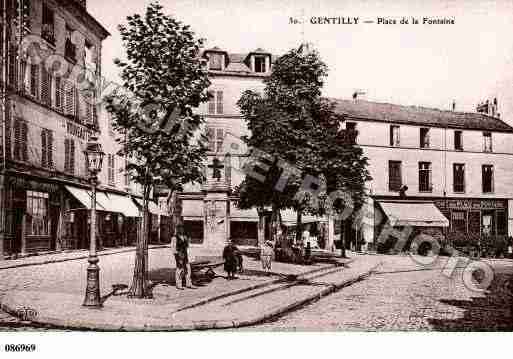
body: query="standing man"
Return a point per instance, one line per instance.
(180, 246)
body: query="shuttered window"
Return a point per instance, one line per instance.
(219, 102)
(111, 169)
(69, 156)
(69, 99)
(211, 103)
(58, 94)
(20, 140)
(46, 148)
(12, 68)
(8, 124)
(34, 80)
(458, 173)
(46, 87)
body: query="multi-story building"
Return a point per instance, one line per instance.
(435, 171)
(50, 65)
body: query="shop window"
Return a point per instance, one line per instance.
(459, 221)
(458, 177)
(424, 138)
(395, 140)
(502, 223)
(195, 230)
(488, 223)
(37, 222)
(458, 140)
(487, 178)
(425, 177)
(394, 175)
(244, 233)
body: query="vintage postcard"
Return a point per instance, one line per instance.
(255, 166)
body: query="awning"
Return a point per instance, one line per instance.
(84, 197)
(152, 207)
(243, 215)
(122, 204)
(108, 202)
(416, 214)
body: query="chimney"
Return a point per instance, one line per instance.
(453, 105)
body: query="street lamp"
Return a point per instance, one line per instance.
(94, 159)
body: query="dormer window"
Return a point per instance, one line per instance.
(216, 61)
(260, 64)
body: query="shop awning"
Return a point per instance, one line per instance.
(152, 207)
(417, 214)
(243, 215)
(122, 204)
(84, 197)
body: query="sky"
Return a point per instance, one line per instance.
(428, 65)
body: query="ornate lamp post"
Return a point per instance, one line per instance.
(94, 157)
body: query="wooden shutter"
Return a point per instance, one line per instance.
(44, 162)
(58, 93)
(46, 87)
(69, 99)
(72, 156)
(66, 154)
(34, 80)
(12, 68)
(23, 80)
(24, 139)
(49, 149)
(8, 133)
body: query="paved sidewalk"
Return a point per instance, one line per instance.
(250, 299)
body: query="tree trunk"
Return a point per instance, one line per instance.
(343, 239)
(299, 226)
(139, 288)
(261, 226)
(274, 223)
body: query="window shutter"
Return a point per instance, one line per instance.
(12, 68)
(23, 80)
(34, 80)
(8, 133)
(43, 148)
(49, 144)
(17, 139)
(66, 155)
(69, 99)
(24, 139)
(72, 156)
(58, 93)
(46, 86)
(219, 102)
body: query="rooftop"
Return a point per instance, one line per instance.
(238, 63)
(419, 116)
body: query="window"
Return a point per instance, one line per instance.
(394, 175)
(458, 140)
(46, 148)
(20, 140)
(70, 49)
(215, 102)
(58, 94)
(458, 171)
(69, 155)
(215, 139)
(487, 141)
(70, 99)
(37, 222)
(424, 138)
(260, 65)
(111, 167)
(425, 177)
(25, 13)
(89, 59)
(216, 61)
(459, 221)
(47, 27)
(34, 80)
(46, 87)
(487, 178)
(394, 136)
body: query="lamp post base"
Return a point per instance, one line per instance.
(92, 296)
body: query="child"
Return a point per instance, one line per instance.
(266, 256)
(230, 259)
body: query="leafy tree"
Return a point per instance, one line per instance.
(163, 81)
(290, 121)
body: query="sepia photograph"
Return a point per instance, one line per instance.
(243, 167)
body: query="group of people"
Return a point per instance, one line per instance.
(232, 257)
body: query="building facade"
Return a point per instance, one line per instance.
(52, 61)
(426, 162)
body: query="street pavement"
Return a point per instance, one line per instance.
(403, 296)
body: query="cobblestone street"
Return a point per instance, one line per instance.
(405, 297)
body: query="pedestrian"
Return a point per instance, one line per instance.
(181, 251)
(230, 259)
(308, 253)
(266, 255)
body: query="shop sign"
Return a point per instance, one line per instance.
(476, 204)
(23, 183)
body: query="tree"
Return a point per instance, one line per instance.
(299, 132)
(163, 81)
